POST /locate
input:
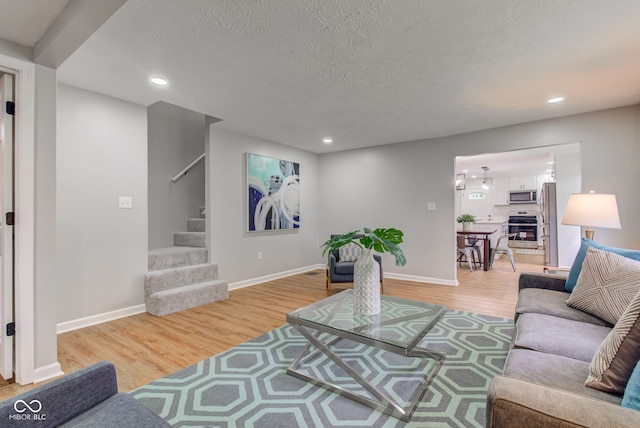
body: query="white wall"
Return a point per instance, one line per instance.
(568, 178)
(176, 138)
(231, 246)
(101, 249)
(391, 185)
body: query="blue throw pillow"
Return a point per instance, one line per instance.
(574, 273)
(631, 397)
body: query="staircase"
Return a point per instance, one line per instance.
(180, 277)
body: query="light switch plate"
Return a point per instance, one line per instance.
(431, 206)
(125, 202)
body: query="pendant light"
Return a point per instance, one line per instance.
(485, 181)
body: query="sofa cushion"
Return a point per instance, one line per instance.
(349, 252)
(549, 302)
(559, 336)
(606, 285)
(631, 397)
(582, 252)
(618, 354)
(553, 371)
(344, 268)
(120, 410)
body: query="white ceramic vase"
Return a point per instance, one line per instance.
(466, 226)
(366, 285)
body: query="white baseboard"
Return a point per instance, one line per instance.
(66, 326)
(50, 371)
(415, 278)
(261, 279)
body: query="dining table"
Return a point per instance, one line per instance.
(480, 235)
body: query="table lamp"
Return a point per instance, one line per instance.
(592, 210)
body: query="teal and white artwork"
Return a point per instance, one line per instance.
(273, 193)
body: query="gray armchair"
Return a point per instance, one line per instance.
(88, 397)
(342, 271)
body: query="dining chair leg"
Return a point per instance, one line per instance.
(513, 263)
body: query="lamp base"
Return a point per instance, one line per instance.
(589, 234)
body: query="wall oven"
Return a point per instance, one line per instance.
(525, 225)
(523, 197)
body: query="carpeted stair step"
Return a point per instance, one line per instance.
(166, 279)
(190, 239)
(172, 257)
(195, 225)
(189, 296)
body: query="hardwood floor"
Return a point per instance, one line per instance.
(144, 347)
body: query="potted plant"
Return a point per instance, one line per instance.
(466, 220)
(366, 275)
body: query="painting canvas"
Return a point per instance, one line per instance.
(273, 192)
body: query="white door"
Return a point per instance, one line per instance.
(477, 202)
(6, 232)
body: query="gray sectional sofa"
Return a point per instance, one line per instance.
(542, 384)
(86, 398)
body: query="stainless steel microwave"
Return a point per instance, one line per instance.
(523, 197)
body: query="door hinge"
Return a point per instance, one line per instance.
(10, 219)
(11, 329)
(11, 108)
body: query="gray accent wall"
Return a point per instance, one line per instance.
(391, 185)
(101, 249)
(176, 138)
(45, 266)
(233, 248)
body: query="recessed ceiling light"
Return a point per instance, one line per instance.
(555, 100)
(327, 140)
(465, 171)
(159, 81)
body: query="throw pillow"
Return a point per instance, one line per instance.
(618, 353)
(631, 397)
(606, 285)
(582, 252)
(349, 252)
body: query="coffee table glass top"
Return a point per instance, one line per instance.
(399, 327)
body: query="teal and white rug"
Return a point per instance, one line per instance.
(248, 386)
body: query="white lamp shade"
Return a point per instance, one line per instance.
(593, 210)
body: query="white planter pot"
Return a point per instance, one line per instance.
(466, 226)
(366, 285)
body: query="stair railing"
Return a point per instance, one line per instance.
(187, 168)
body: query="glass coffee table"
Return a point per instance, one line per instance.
(333, 358)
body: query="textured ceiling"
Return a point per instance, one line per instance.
(366, 72)
(25, 21)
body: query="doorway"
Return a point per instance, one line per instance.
(6, 229)
(496, 174)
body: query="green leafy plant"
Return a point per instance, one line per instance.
(466, 218)
(380, 240)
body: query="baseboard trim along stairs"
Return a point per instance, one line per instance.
(180, 277)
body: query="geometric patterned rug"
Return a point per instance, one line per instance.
(247, 386)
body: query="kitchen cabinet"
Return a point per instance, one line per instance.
(526, 182)
(500, 191)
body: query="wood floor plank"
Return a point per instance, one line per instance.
(144, 347)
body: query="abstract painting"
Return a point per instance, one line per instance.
(273, 193)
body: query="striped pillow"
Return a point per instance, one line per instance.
(606, 285)
(618, 353)
(349, 252)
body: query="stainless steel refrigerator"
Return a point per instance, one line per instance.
(549, 224)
